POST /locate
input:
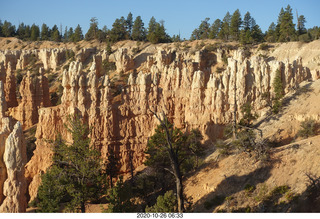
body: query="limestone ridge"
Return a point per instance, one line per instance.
(13, 157)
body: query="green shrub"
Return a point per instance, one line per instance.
(307, 128)
(223, 147)
(165, 203)
(249, 189)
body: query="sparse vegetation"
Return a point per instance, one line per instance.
(165, 203)
(307, 128)
(278, 92)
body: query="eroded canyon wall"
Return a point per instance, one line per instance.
(187, 86)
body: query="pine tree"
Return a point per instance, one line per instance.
(70, 35)
(27, 33)
(118, 31)
(77, 36)
(55, 34)
(235, 24)
(151, 30)
(278, 92)
(225, 27)
(129, 23)
(93, 29)
(215, 29)
(301, 25)
(166, 203)
(118, 198)
(8, 30)
(271, 33)
(168, 149)
(35, 32)
(76, 172)
(287, 28)
(21, 31)
(45, 32)
(138, 30)
(203, 31)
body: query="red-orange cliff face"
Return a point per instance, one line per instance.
(184, 85)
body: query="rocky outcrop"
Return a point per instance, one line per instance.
(124, 61)
(181, 85)
(34, 95)
(52, 58)
(10, 87)
(13, 157)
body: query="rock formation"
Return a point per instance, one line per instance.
(180, 85)
(13, 157)
(194, 89)
(34, 92)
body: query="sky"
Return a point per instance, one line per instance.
(179, 16)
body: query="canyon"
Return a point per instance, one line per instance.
(194, 84)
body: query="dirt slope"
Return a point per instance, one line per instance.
(222, 180)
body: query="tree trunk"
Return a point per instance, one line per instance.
(179, 185)
(180, 194)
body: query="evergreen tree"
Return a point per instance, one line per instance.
(271, 35)
(55, 34)
(35, 32)
(138, 30)
(21, 31)
(195, 34)
(301, 25)
(129, 23)
(45, 32)
(168, 149)
(93, 29)
(118, 198)
(256, 33)
(77, 36)
(225, 27)
(235, 24)
(278, 92)
(118, 31)
(215, 29)
(247, 21)
(76, 172)
(8, 30)
(66, 35)
(287, 28)
(152, 29)
(204, 29)
(166, 203)
(27, 33)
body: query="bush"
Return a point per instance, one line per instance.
(165, 203)
(249, 188)
(307, 128)
(224, 148)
